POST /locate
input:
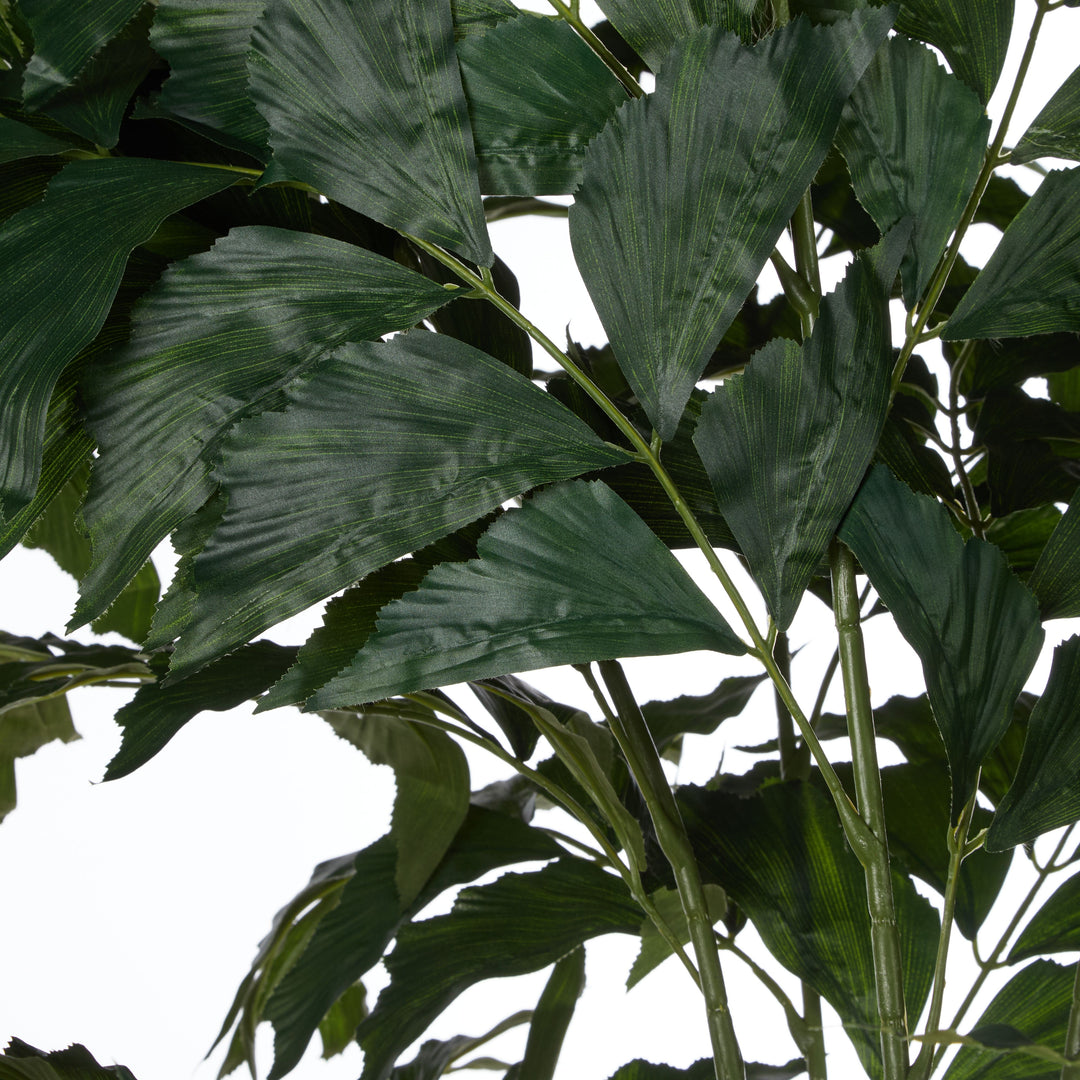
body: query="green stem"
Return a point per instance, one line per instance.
(957, 840)
(630, 730)
(598, 47)
(814, 1051)
(971, 503)
(1072, 1033)
(785, 726)
(991, 162)
(884, 933)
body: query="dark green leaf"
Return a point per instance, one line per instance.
(973, 36)
(432, 779)
(1035, 1003)
(352, 939)
(1001, 202)
(479, 16)
(653, 27)
(399, 467)
(1055, 581)
(1055, 927)
(1023, 536)
(906, 109)
(702, 715)
(574, 576)
(1055, 132)
(72, 246)
(21, 1061)
(974, 626)
(66, 36)
(239, 322)
(365, 104)
(836, 207)
(654, 948)
(156, 713)
(515, 722)
(704, 1070)
(787, 443)
(552, 1017)
(436, 1055)
(992, 365)
(537, 95)
(206, 44)
(1016, 295)
(1045, 792)
(19, 141)
(667, 268)
(520, 923)
(782, 857)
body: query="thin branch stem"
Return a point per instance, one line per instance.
(574, 19)
(971, 503)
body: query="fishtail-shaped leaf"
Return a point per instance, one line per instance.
(1055, 132)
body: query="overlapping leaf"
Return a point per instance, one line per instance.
(67, 33)
(1056, 577)
(914, 139)
(521, 923)
(787, 443)
(412, 438)
(702, 715)
(62, 261)
(974, 37)
(573, 576)
(686, 191)
(1054, 927)
(365, 104)
(1055, 132)
(215, 340)
(537, 94)
(18, 140)
(1045, 792)
(974, 626)
(1016, 295)
(782, 857)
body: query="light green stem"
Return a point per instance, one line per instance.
(630, 730)
(884, 932)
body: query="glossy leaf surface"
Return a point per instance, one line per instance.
(537, 94)
(1055, 132)
(1016, 295)
(786, 443)
(1046, 790)
(364, 103)
(269, 303)
(72, 247)
(574, 576)
(974, 626)
(914, 139)
(669, 242)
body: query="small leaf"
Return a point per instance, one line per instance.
(1016, 295)
(73, 246)
(436, 1055)
(337, 1028)
(907, 108)
(1055, 927)
(498, 697)
(574, 576)
(1033, 1007)
(365, 104)
(156, 713)
(21, 1061)
(521, 923)
(537, 95)
(1045, 792)
(1055, 581)
(974, 626)
(1055, 132)
(705, 1070)
(552, 1017)
(787, 443)
(701, 715)
(655, 948)
(398, 467)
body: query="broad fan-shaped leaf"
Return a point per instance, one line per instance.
(67, 33)
(156, 713)
(1055, 132)
(1034, 1008)
(215, 340)
(62, 260)
(686, 191)
(413, 438)
(364, 103)
(521, 923)
(1045, 792)
(573, 576)
(914, 139)
(974, 37)
(206, 44)
(973, 624)
(1056, 577)
(1016, 295)
(782, 857)
(787, 443)
(537, 94)
(353, 937)
(651, 27)
(1055, 927)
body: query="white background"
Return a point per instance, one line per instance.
(130, 911)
